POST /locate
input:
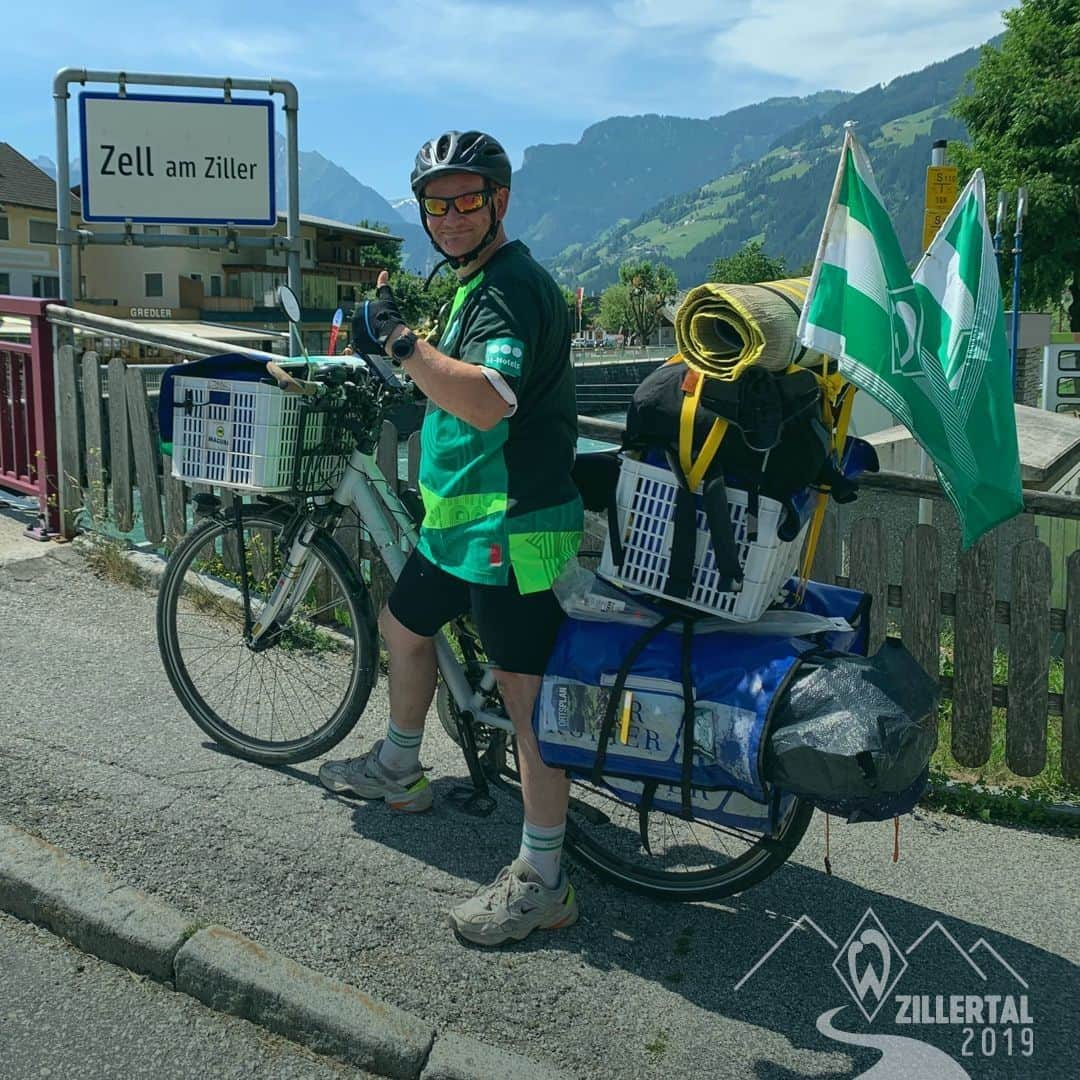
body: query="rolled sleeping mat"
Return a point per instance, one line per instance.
(724, 329)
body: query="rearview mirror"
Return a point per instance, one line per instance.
(287, 299)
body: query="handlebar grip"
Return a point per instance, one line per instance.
(287, 383)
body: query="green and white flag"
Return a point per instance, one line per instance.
(930, 346)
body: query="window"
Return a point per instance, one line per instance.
(152, 230)
(307, 247)
(42, 232)
(45, 287)
(232, 285)
(213, 232)
(193, 230)
(5, 284)
(4, 234)
(154, 285)
(215, 284)
(195, 277)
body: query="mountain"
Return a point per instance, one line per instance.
(408, 207)
(621, 166)
(328, 190)
(781, 197)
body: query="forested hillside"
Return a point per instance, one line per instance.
(780, 198)
(624, 165)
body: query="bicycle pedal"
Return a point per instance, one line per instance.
(472, 802)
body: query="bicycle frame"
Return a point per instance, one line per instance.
(364, 487)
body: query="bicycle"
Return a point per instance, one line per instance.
(267, 632)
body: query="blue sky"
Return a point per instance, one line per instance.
(377, 79)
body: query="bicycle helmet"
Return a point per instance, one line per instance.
(456, 151)
(461, 152)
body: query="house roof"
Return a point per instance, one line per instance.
(341, 226)
(22, 183)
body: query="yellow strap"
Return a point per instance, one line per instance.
(811, 543)
(845, 418)
(686, 426)
(627, 708)
(694, 469)
(832, 387)
(708, 452)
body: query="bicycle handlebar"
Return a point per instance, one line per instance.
(289, 384)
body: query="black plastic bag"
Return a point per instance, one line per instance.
(852, 729)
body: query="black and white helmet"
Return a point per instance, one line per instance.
(461, 151)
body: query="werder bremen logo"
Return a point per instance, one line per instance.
(906, 331)
(869, 964)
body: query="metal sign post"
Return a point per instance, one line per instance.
(1018, 244)
(939, 199)
(183, 160)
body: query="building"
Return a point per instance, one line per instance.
(217, 285)
(199, 288)
(28, 256)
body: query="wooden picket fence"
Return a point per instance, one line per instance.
(107, 470)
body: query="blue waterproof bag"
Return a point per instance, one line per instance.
(616, 702)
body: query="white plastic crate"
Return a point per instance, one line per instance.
(645, 500)
(237, 434)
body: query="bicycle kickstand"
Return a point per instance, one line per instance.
(476, 801)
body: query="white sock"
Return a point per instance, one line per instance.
(400, 751)
(541, 848)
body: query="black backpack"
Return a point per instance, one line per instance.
(767, 433)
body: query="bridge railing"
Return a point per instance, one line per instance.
(28, 462)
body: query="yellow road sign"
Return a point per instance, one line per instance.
(940, 196)
(932, 221)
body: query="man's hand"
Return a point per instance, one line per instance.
(376, 320)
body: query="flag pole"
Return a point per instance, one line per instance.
(849, 135)
(926, 506)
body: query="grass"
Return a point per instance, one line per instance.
(1049, 784)
(658, 1044)
(108, 558)
(904, 130)
(791, 172)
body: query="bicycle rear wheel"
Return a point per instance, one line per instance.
(304, 691)
(684, 860)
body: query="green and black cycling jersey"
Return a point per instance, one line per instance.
(505, 498)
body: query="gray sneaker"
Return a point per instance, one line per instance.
(365, 778)
(514, 905)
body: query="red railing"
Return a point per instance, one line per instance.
(28, 459)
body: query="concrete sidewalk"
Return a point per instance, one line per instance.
(98, 759)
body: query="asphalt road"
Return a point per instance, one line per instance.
(97, 757)
(66, 1014)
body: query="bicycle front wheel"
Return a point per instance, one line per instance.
(275, 703)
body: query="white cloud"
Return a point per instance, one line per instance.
(684, 15)
(852, 44)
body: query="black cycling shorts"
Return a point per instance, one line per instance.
(518, 632)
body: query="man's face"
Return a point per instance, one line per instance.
(458, 233)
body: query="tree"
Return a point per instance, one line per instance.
(571, 303)
(747, 266)
(615, 309)
(419, 307)
(649, 286)
(1023, 115)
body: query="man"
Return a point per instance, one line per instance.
(502, 514)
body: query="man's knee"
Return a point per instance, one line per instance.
(400, 640)
(518, 693)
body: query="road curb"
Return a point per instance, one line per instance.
(41, 884)
(233, 974)
(457, 1057)
(230, 973)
